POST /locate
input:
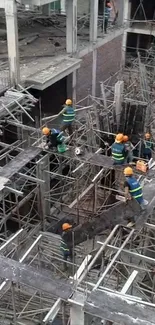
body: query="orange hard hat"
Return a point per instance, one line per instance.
(125, 138)
(68, 102)
(119, 138)
(128, 171)
(66, 226)
(147, 135)
(46, 131)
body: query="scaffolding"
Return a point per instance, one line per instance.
(113, 265)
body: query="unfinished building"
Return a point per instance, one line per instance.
(111, 277)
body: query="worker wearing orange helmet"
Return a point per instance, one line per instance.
(68, 114)
(133, 189)
(54, 137)
(66, 250)
(129, 149)
(118, 150)
(147, 147)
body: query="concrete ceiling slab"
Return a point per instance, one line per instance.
(55, 71)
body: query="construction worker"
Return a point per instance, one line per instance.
(65, 249)
(118, 150)
(147, 147)
(129, 149)
(133, 188)
(68, 114)
(54, 137)
(107, 10)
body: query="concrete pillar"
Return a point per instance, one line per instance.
(126, 18)
(93, 39)
(124, 48)
(118, 98)
(46, 9)
(93, 20)
(12, 41)
(126, 13)
(63, 7)
(74, 86)
(94, 67)
(77, 315)
(71, 86)
(71, 30)
(42, 166)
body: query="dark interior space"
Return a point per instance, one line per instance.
(139, 43)
(101, 7)
(146, 11)
(51, 98)
(9, 133)
(133, 117)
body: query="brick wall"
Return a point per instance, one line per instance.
(84, 77)
(108, 62)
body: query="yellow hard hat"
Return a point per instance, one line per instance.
(66, 226)
(147, 135)
(119, 138)
(128, 171)
(125, 138)
(68, 102)
(46, 131)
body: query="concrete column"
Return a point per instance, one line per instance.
(77, 315)
(126, 13)
(93, 20)
(93, 40)
(71, 30)
(124, 48)
(126, 22)
(69, 85)
(43, 204)
(94, 67)
(118, 98)
(74, 86)
(12, 41)
(63, 7)
(46, 9)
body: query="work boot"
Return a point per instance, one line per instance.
(130, 224)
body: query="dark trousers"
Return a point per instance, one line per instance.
(65, 258)
(147, 155)
(105, 25)
(67, 126)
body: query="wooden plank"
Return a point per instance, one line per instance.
(118, 309)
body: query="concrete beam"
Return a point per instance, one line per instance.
(118, 309)
(36, 2)
(16, 164)
(71, 29)
(12, 41)
(29, 276)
